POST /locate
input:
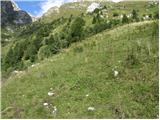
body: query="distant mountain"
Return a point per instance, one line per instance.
(11, 14)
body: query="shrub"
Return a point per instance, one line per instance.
(96, 11)
(115, 14)
(114, 22)
(44, 52)
(30, 53)
(156, 15)
(76, 28)
(150, 16)
(14, 54)
(134, 14)
(94, 20)
(125, 19)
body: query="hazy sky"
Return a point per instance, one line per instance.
(38, 7)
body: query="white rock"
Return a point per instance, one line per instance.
(35, 65)
(45, 104)
(50, 93)
(32, 65)
(55, 109)
(121, 16)
(115, 73)
(15, 71)
(147, 17)
(87, 95)
(91, 108)
(92, 7)
(101, 16)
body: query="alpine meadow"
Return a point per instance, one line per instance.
(83, 59)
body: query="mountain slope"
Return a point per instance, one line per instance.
(29, 43)
(114, 74)
(11, 14)
(77, 8)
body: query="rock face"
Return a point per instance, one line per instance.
(11, 14)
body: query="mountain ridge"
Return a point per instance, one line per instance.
(12, 14)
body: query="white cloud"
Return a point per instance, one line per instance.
(47, 4)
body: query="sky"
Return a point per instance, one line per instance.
(38, 7)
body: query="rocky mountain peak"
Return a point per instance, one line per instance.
(12, 14)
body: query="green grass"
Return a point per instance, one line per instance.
(88, 67)
(124, 7)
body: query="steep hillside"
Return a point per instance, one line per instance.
(77, 8)
(113, 74)
(45, 37)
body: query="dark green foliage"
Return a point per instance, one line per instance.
(101, 26)
(131, 59)
(104, 7)
(125, 19)
(9, 59)
(150, 16)
(70, 18)
(96, 11)
(97, 19)
(82, 15)
(44, 52)
(43, 31)
(114, 22)
(14, 55)
(135, 15)
(30, 53)
(156, 15)
(94, 20)
(76, 28)
(115, 14)
(56, 43)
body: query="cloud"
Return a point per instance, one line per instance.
(47, 4)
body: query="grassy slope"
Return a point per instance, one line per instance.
(81, 7)
(87, 68)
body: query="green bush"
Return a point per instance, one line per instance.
(115, 14)
(125, 19)
(44, 52)
(156, 15)
(30, 52)
(76, 29)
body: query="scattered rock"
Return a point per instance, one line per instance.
(55, 109)
(45, 104)
(87, 95)
(51, 93)
(116, 73)
(92, 7)
(91, 108)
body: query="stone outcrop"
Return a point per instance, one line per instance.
(11, 14)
